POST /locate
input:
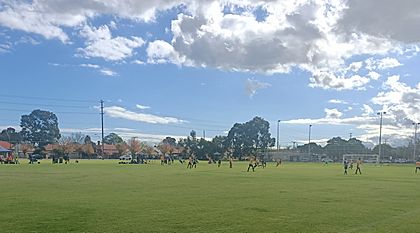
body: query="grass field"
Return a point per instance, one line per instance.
(102, 196)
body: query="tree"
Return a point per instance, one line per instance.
(170, 141)
(25, 148)
(88, 150)
(134, 146)
(250, 137)
(121, 148)
(78, 138)
(10, 135)
(40, 127)
(66, 145)
(113, 139)
(189, 144)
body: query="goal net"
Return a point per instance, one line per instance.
(366, 158)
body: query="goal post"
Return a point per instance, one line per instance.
(366, 158)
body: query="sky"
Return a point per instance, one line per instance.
(166, 67)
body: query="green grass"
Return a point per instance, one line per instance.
(102, 196)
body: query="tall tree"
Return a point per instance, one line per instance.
(10, 135)
(250, 137)
(113, 139)
(40, 127)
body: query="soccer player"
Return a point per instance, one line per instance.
(417, 165)
(195, 161)
(219, 162)
(252, 164)
(358, 164)
(351, 164)
(346, 164)
(278, 162)
(190, 163)
(230, 162)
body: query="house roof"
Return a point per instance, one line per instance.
(6, 145)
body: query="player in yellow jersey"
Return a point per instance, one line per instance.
(358, 165)
(252, 164)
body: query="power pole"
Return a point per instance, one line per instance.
(380, 134)
(309, 144)
(350, 135)
(278, 134)
(415, 140)
(204, 134)
(102, 128)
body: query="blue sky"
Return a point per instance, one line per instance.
(169, 67)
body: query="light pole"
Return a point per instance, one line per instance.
(380, 134)
(415, 140)
(278, 134)
(309, 144)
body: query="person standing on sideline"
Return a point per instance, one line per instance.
(358, 164)
(346, 164)
(230, 162)
(251, 164)
(417, 165)
(219, 162)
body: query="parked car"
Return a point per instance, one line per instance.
(327, 160)
(36, 157)
(126, 157)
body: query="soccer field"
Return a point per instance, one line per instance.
(103, 196)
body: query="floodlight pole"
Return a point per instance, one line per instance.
(309, 143)
(415, 140)
(102, 128)
(278, 134)
(380, 134)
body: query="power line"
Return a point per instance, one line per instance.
(45, 105)
(49, 98)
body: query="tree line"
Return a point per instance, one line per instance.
(40, 128)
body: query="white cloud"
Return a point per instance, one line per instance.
(252, 86)
(93, 66)
(337, 101)
(367, 110)
(108, 72)
(382, 64)
(332, 113)
(315, 36)
(4, 48)
(160, 51)
(327, 80)
(101, 44)
(401, 101)
(396, 20)
(139, 106)
(102, 70)
(119, 112)
(374, 75)
(138, 62)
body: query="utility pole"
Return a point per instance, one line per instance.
(204, 134)
(350, 135)
(380, 134)
(415, 140)
(309, 144)
(278, 134)
(102, 128)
